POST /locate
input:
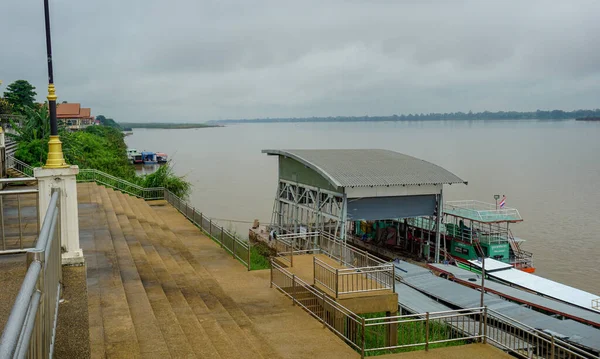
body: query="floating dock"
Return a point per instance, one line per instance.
(455, 295)
(550, 305)
(504, 273)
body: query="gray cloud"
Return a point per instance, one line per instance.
(188, 60)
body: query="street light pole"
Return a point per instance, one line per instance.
(496, 197)
(55, 154)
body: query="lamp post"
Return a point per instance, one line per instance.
(55, 154)
(496, 197)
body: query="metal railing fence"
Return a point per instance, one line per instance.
(342, 281)
(119, 184)
(527, 342)
(238, 248)
(377, 335)
(389, 334)
(333, 315)
(19, 220)
(31, 327)
(20, 166)
(365, 272)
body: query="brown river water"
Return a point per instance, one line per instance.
(548, 170)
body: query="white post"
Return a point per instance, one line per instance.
(65, 179)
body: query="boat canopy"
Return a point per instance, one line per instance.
(482, 212)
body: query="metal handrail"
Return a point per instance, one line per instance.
(239, 249)
(93, 175)
(539, 335)
(31, 326)
(105, 179)
(21, 247)
(18, 165)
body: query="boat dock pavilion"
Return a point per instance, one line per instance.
(323, 190)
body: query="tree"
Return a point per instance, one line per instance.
(109, 122)
(36, 125)
(20, 94)
(5, 107)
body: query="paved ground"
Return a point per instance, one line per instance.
(72, 331)
(12, 272)
(475, 351)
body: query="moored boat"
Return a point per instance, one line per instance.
(472, 229)
(161, 157)
(134, 156)
(149, 158)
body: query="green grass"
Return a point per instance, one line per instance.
(259, 257)
(408, 333)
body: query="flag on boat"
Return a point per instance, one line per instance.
(503, 202)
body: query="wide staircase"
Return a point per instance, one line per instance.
(159, 288)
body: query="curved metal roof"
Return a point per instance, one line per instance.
(370, 167)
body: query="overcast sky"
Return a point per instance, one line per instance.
(196, 60)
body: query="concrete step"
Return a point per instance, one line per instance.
(159, 330)
(191, 327)
(113, 332)
(216, 300)
(215, 333)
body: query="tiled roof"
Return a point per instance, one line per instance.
(67, 109)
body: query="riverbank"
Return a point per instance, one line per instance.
(166, 126)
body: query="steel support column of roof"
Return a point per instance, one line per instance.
(297, 204)
(438, 224)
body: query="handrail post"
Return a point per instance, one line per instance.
(314, 270)
(292, 252)
(426, 331)
(323, 301)
(249, 255)
(271, 282)
(481, 324)
(293, 289)
(232, 244)
(553, 347)
(485, 325)
(337, 283)
(362, 352)
(221, 236)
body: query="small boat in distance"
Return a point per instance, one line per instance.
(134, 156)
(161, 157)
(149, 158)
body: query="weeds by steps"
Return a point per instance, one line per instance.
(411, 332)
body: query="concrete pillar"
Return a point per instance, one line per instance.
(65, 180)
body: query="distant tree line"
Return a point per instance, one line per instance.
(486, 115)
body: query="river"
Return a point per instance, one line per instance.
(548, 170)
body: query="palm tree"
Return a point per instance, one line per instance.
(35, 126)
